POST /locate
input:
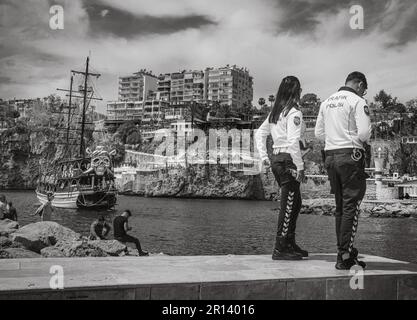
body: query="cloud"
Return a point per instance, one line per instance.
(395, 19)
(272, 38)
(118, 22)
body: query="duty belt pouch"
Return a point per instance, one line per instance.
(368, 155)
(323, 155)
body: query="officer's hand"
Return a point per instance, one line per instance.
(266, 165)
(300, 176)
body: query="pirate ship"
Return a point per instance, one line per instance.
(86, 180)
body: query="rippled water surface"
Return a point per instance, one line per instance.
(207, 227)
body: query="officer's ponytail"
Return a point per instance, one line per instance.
(287, 97)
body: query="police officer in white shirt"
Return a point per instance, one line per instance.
(344, 124)
(285, 124)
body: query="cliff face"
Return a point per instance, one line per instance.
(24, 151)
(204, 182)
(214, 181)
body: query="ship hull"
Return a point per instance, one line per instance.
(86, 200)
(66, 200)
(97, 200)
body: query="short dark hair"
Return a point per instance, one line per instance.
(101, 218)
(10, 203)
(128, 212)
(358, 77)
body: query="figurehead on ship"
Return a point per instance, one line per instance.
(100, 161)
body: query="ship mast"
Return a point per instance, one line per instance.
(82, 148)
(86, 74)
(69, 110)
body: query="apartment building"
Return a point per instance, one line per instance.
(183, 87)
(147, 111)
(119, 111)
(138, 86)
(146, 99)
(154, 112)
(230, 85)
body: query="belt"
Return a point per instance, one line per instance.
(342, 151)
(280, 150)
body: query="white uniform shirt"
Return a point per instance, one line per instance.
(286, 134)
(343, 121)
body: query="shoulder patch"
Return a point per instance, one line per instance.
(366, 109)
(297, 120)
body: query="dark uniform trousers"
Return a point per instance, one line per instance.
(348, 183)
(281, 165)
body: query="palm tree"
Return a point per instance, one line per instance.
(261, 102)
(271, 99)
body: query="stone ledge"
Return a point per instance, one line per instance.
(205, 277)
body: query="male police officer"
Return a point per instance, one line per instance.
(344, 124)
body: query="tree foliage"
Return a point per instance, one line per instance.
(129, 133)
(386, 103)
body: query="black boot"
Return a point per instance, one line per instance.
(295, 247)
(352, 260)
(283, 251)
(143, 253)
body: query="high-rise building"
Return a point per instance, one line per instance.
(138, 86)
(146, 99)
(230, 85)
(227, 85)
(181, 87)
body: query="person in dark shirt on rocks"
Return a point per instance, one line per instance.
(3, 206)
(99, 229)
(120, 229)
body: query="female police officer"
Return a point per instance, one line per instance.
(285, 124)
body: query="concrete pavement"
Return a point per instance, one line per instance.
(205, 277)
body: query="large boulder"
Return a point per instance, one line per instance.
(39, 235)
(5, 242)
(15, 253)
(110, 247)
(84, 248)
(52, 252)
(7, 227)
(79, 249)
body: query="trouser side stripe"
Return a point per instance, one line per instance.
(354, 226)
(288, 211)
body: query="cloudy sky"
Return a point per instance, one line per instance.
(310, 39)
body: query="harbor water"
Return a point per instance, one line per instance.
(219, 227)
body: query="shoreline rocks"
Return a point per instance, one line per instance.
(85, 248)
(39, 235)
(326, 207)
(16, 253)
(8, 227)
(51, 240)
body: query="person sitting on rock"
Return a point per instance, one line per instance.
(45, 210)
(3, 207)
(99, 229)
(120, 228)
(11, 212)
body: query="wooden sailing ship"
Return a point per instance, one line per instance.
(84, 181)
